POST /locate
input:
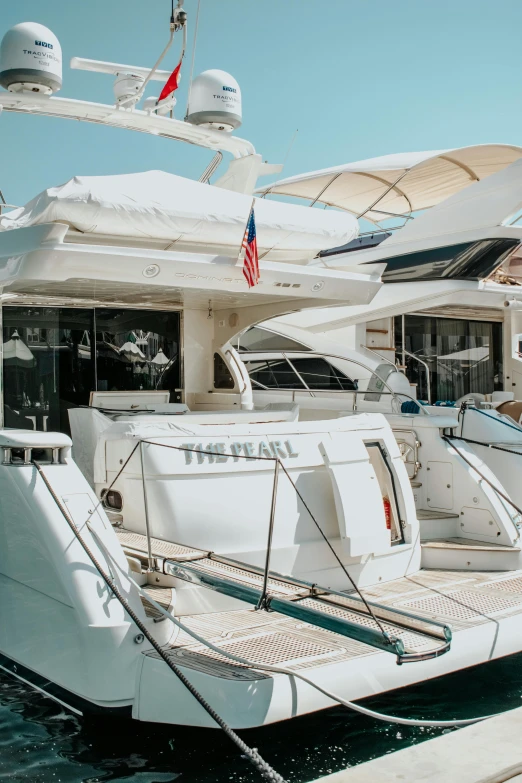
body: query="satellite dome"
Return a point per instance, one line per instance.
(215, 101)
(30, 59)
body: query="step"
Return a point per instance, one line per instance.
(467, 543)
(136, 544)
(428, 513)
(341, 613)
(466, 554)
(415, 484)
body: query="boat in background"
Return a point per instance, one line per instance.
(445, 328)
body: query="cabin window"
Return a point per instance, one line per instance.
(299, 373)
(222, 376)
(258, 339)
(53, 358)
(465, 261)
(273, 374)
(320, 375)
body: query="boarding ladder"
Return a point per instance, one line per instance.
(410, 637)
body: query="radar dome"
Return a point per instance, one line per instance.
(215, 101)
(30, 59)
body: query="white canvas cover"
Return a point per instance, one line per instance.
(184, 214)
(420, 179)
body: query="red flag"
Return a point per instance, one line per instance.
(172, 83)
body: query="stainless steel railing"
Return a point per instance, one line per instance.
(406, 448)
(426, 368)
(396, 395)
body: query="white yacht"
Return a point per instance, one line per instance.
(170, 551)
(445, 328)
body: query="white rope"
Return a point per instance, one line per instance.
(193, 58)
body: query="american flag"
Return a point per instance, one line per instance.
(249, 247)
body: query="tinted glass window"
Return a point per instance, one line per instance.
(137, 350)
(48, 365)
(55, 357)
(258, 339)
(275, 374)
(222, 377)
(466, 261)
(463, 356)
(319, 374)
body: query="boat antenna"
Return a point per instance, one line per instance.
(193, 57)
(289, 148)
(178, 21)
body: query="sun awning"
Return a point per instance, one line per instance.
(398, 184)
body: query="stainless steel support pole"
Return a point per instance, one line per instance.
(147, 525)
(403, 343)
(270, 536)
(1, 365)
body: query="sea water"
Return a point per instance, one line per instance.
(43, 743)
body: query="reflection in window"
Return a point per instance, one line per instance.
(312, 373)
(463, 356)
(275, 374)
(222, 377)
(318, 374)
(52, 361)
(136, 350)
(258, 339)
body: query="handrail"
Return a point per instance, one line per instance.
(3, 205)
(500, 494)
(212, 166)
(425, 364)
(409, 448)
(494, 418)
(391, 392)
(384, 359)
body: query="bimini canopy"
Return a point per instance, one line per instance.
(398, 184)
(181, 214)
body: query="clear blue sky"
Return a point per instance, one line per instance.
(358, 78)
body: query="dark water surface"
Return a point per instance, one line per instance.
(41, 742)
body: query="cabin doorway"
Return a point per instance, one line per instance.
(53, 358)
(449, 357)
